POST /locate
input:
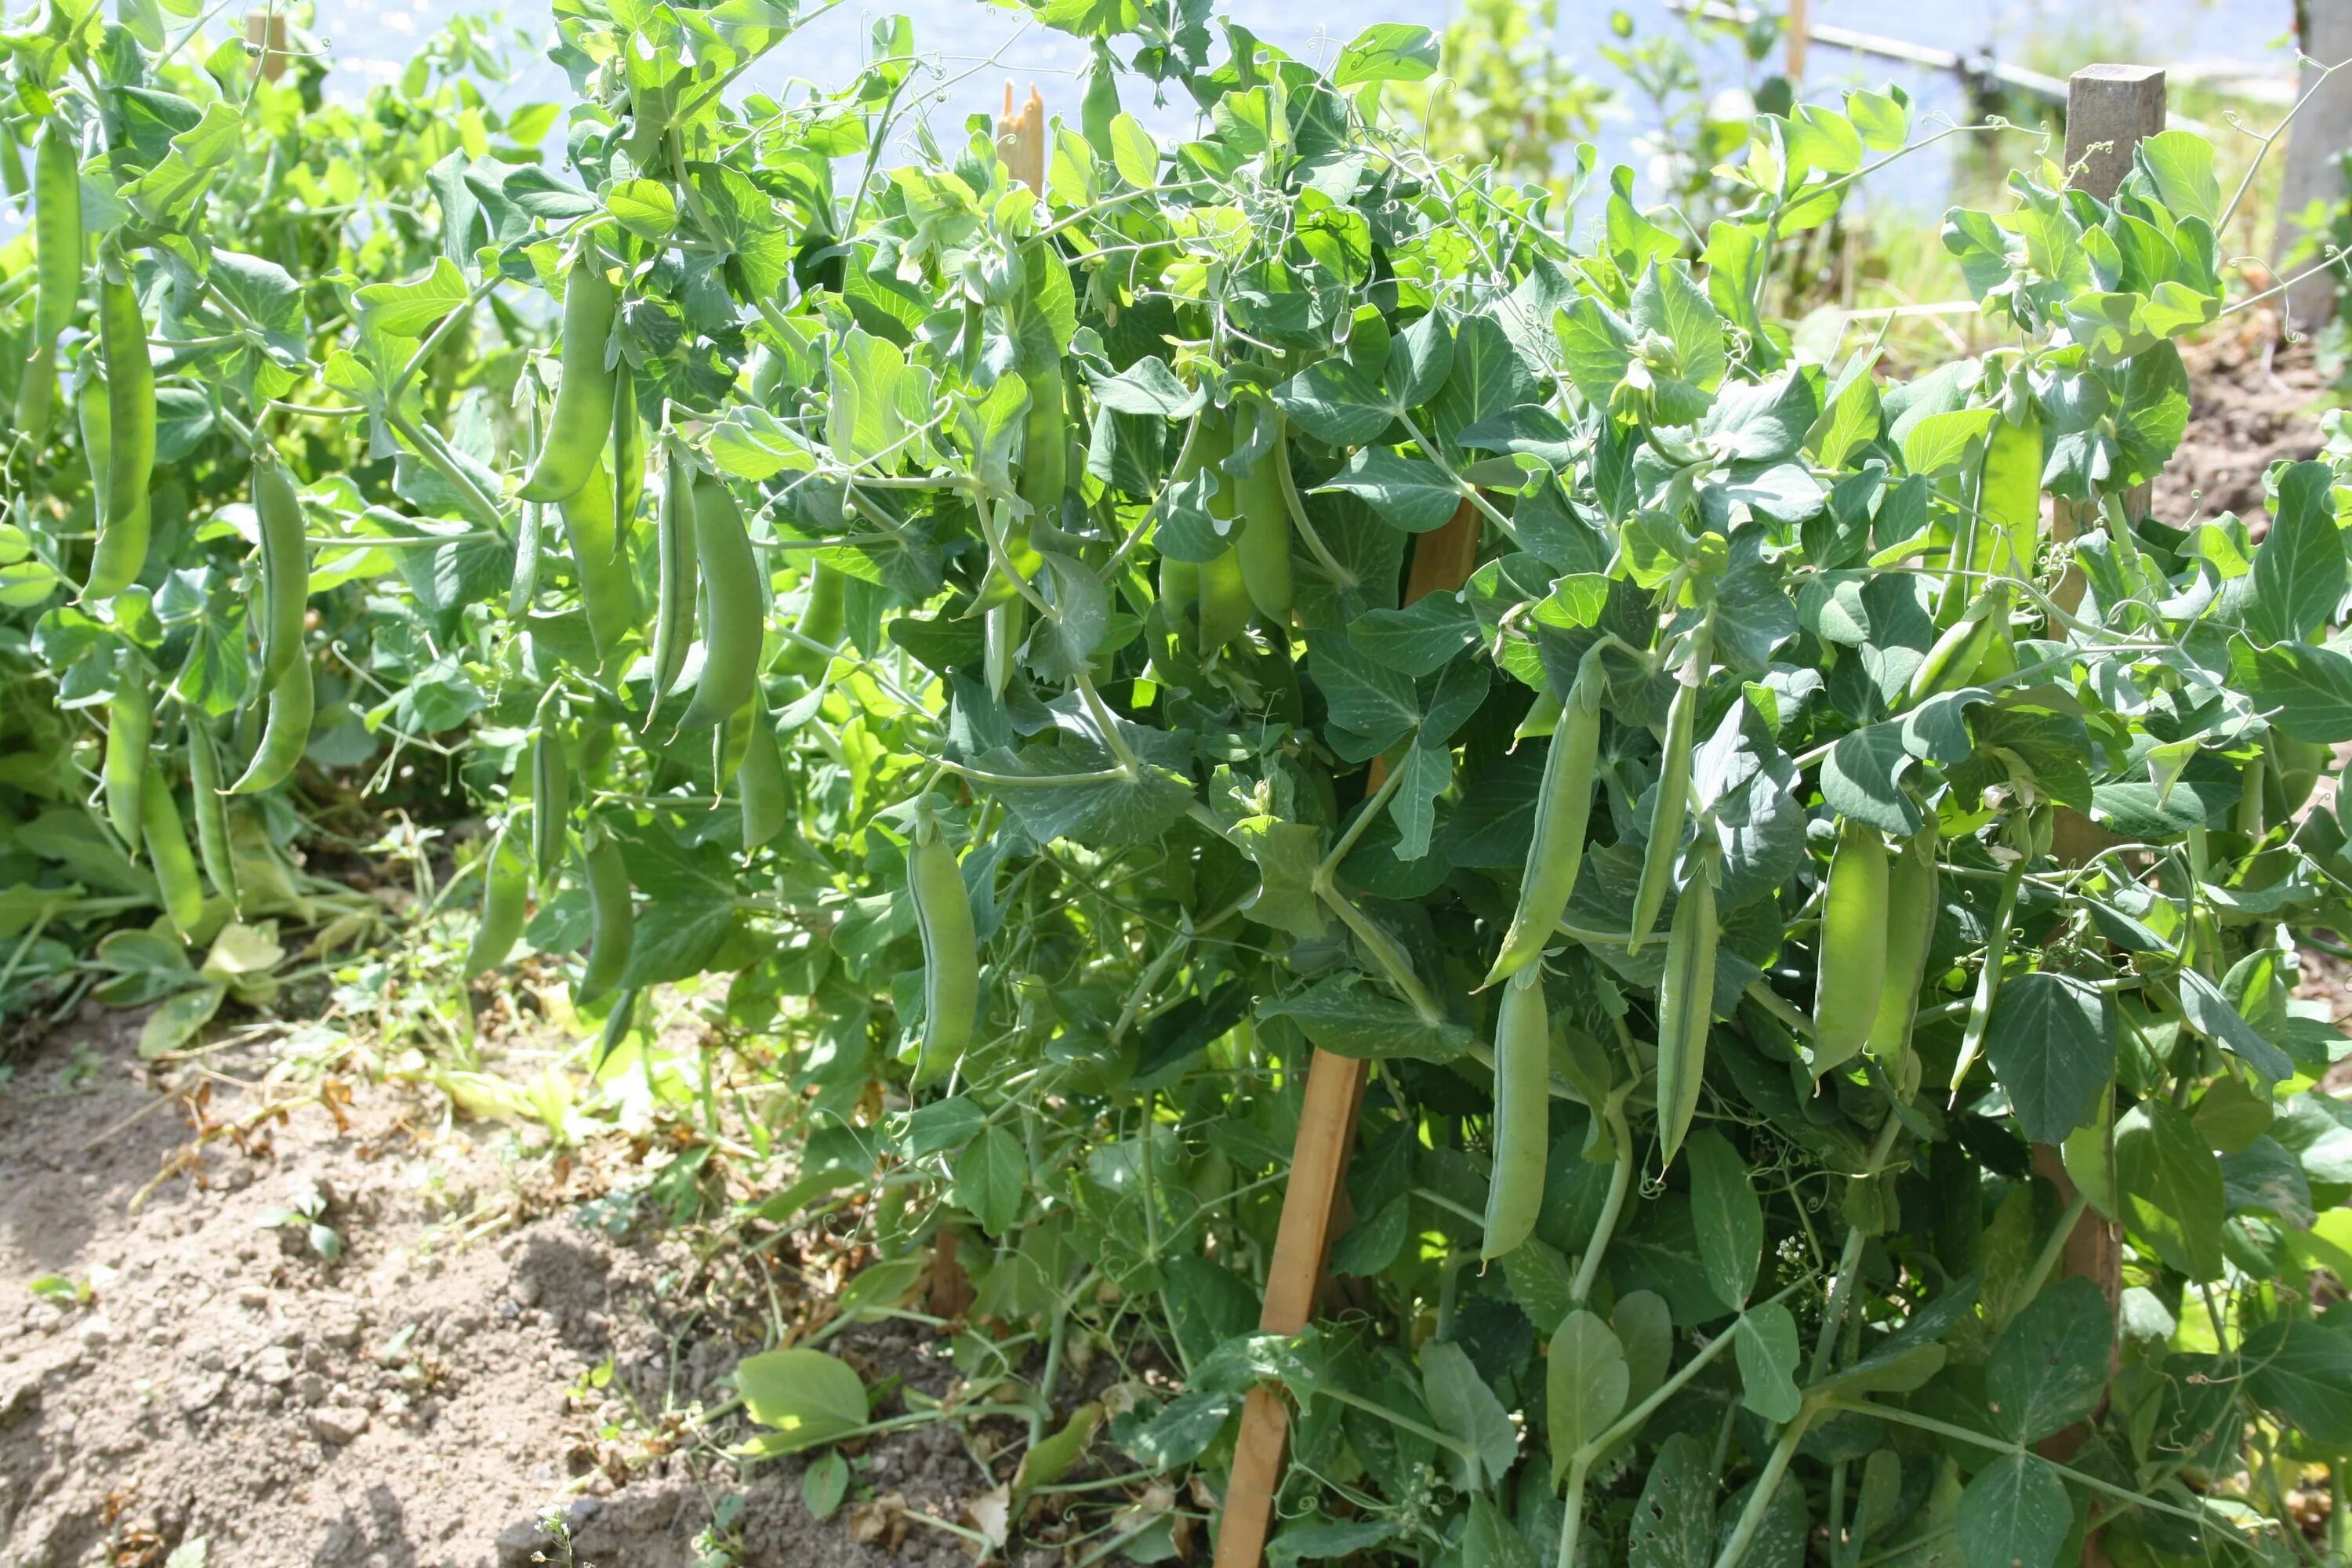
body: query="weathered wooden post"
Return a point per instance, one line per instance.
(1312, 1203)
(2322, 133)
(266, 31)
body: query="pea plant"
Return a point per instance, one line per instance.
(1814, 868)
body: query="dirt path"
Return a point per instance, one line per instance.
(492, 1341)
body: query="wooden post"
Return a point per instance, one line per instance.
(2321, 133)
(266, 31)
(2110, 110)
(1800, 34)
(1312, 1203)
(1021, 138)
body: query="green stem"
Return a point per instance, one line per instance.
(1776, 1465)
(1621, 1179)
(2053, 1248)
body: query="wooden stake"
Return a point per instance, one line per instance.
(1800, 34)
(1313, 1205)
(1021, 138)
(2110, 110)
(2321, 132)
(266, 31)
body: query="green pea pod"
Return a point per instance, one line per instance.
(1951, 663)
(56, 230)
(760, 785)
(1044, 442)
(618, 1020)
(522, 589)
(627, 488)
(608, 589)
(612, 919)
(550, 799)
(1522, 1114)
(950, 953)
(36, 395)
(820, 622)
(57, 256)
(94, 412)
(285, 565)
(735, 616)
(506, 885)
(1003, 627)
(1671, 801)
(292, 702)
(1914, 898)
(1564, 806)
(679, 576)
(582, 416)
(214, 843)
(1972, 1035)
(1850, 971)
(1224, 600)
(167, 853)
(122, 552)
(129, 727)
(1265, 541)
(1685, 1011)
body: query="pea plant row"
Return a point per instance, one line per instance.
(1820, 903)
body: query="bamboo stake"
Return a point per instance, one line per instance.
(266, 31)
(1314, 1206)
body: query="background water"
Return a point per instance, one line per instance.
(975, 47)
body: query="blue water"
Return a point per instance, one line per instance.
(975, 47)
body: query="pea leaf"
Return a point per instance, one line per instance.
(2170, 1185)
(1410, 494)
(2304, 1372)
(2052, 1047)
(1467, 1409)
(808, 1396)
(1768, 1354)
(2299, 571)
(1585, 1383)
(1727, 1214)
(2049, 1368)
(2014, 1514)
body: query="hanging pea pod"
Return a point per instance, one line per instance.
(1224, 600)
(759, 783)
(1951, 663)
(57, 257)
(679, 575)
(506, 887)
(1914, 897)
(820, 623)
(734, 616)
(285, 563)
(166, 840)
(122, 552)
(1972, 1036)
(130, 726)
(627, 490)
(292, 702)
(951, 952)
(608, 589)
(214, 843)
(551, 794)
(583, 417)
(1563, 808)
(1850, 975)
(94, 414)
(1522, 1114)
(1686, 1009)
(612, 917)
(1265, 543)
(1671, 805)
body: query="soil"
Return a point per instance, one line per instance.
(2252, 401)
(429, 1398)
